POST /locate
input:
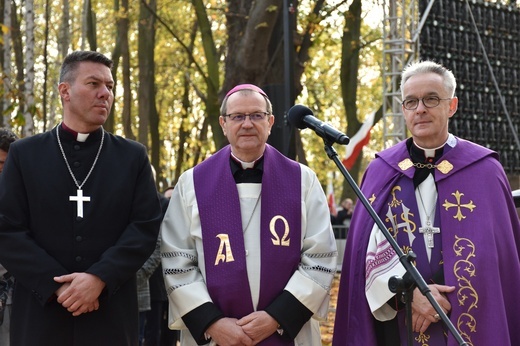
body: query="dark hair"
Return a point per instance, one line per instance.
(6, 138)
(71, 62)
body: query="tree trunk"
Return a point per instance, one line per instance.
(183, 134)
(256, 50)
(349, 81)
(28, 128)
(148, 116)
(63, 47)
(123, 25)
(186, 111)
(116, 55)
(213, 73)
(45, 65)
(64, 33)
(250, 27)
(145, 71)
(6, 65)
(91, 27)
(16, 36)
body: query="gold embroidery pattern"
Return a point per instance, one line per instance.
(423, 339)
(402, 218)
(226, 256)
(458, 195)
(445, 167)
(405, 164)
(406, 248)
(372, 199)
(395, 202)
(467, 296)
(285, 240)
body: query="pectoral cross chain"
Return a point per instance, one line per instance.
(79, 198)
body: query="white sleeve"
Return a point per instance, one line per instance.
(381, 264)
(311, 283)
(180, 258)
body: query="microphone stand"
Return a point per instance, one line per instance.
(412, 278)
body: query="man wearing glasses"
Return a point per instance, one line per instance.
(248, 251)
(449, 201)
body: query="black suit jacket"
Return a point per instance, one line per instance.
(42, 237)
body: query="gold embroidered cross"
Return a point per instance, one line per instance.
(458, 196)
(395, 202)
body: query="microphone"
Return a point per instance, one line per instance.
(302, 117)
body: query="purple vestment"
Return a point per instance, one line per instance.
(480, 238)
(280, 232)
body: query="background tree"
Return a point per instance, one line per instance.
(6, 102)
(18, 89)
(46, 64)
(88, 27)
(29, 107)
(124, 46)
(174, 60)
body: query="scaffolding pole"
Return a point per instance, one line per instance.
(400, 47)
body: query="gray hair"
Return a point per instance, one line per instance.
(421, 67)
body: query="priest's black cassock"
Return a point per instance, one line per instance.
(42, 236)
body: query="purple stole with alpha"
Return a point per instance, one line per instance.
(223, 238)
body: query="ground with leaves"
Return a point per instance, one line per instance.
(327, 328)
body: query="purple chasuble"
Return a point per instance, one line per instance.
(223, 238)
(480, 238)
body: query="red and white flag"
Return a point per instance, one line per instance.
(358, 141)
(331, 200)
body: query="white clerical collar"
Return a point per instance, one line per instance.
(431, 152)
(246, 165)
(82, 137)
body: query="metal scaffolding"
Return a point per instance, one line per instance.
(400, 46)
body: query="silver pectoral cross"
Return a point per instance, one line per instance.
(79, 198)
(429, 231)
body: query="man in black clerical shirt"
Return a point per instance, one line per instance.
(79, 215)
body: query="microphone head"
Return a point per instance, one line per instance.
(296, 115)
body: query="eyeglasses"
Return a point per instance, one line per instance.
(428, 102)
(241, 117)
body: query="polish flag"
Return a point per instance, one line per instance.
(358, 141)
(331, 200)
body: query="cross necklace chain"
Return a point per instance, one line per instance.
(253, 212)
(79, 198)
(429, 230)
